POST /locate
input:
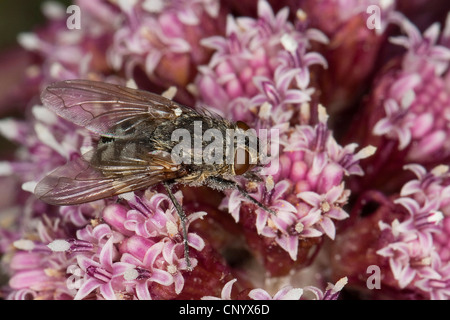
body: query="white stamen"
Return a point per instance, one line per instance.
(170, 93)
(408, 99)
(192, 89)
(299, 227)
(365, 152)
(270, 184)
(340, 284)
(153, 6)
(264, 110)
(130, 274)
(44, 115)
(395, 228)
(28, 40)
(301, 15)
(172, 269)
(9, 128)
(59, 245)
(435, 217)
(127, 196)
(426, 261)
(24, 244)
(171, 228)
(289, 43)
(53, 10)
(131, 84)
(56, 69)
(48, 138)
(29, 186)
(85, 149)
(323, 115)
(126, 5)
(305, 112)
(439, 170)
(5, 168)
(385, 4)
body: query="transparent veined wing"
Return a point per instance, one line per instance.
(101, 107)
(79, 181)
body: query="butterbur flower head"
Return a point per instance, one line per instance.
(307, 191)
(331, 195)
(71, 53)
(285, 293)
(410, 243)
(162, 38)
(414, 103)
(259, 60)
(356, 32)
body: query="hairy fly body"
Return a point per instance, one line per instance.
(136, 146)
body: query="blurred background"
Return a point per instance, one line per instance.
(16, 16)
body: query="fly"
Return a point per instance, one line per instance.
(136, 148)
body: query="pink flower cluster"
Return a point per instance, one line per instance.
(356, 110)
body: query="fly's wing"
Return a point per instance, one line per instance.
(101, 107)
(79, 181)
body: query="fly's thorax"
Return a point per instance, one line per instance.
(216, 144)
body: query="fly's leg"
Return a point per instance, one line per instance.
(183, 218)
(222, 184)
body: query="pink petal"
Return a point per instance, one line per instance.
(291, 294)
(404, 84)
(261, 220)
(296, 96)
(107, 291)
(106, 254)
(28, 279)
(152, 253)
(310, 197)
(142, 291)
(87, 287)
(319, 36)
(179, 282)
(432, 33)
(265, 11)
(440, 53)
(101, 231)
(406, 276)
(161, 277)
(85, 262)
(315, 58)
(396, 267)
(259, 294)
(404, 137)
(196, 242)
(409, 204)
(337, 214)
(382, 127)
(226, 291)
(284, 80)
(290, 244)
(280, 188)
(417, 169)
(119, 268)
(410, 187)
(328, 227)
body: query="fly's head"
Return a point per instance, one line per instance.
(246, 155)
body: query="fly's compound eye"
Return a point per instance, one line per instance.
(242, 161)
(242, 125)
